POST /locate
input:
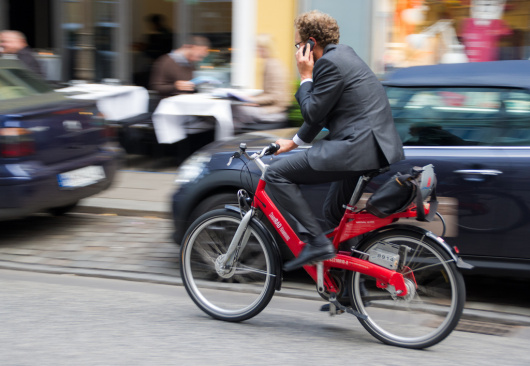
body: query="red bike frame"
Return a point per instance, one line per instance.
(352, 224)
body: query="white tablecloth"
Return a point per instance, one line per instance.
(116, 102)
(171, 114)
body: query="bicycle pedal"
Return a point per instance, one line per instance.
(331, 309)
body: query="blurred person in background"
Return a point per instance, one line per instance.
(15, 43)
(271, 105)
(160, 38)
(172, 72)
(157, 42)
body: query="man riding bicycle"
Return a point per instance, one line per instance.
(338, 91)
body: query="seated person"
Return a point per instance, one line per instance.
(271, 105)
(171, 75)
(14, 43)
(172, 72)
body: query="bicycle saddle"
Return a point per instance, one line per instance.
(374, 173)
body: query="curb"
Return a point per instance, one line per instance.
(289, 289)
(125, 211)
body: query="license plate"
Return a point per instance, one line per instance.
(383, 258)
(81, 177)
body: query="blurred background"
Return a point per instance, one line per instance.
(115, 39)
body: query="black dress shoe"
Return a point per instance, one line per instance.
(309, 254)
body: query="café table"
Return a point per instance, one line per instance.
(115, 102)
(171, 116)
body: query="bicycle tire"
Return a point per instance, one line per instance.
(432, 310)
(240, 292)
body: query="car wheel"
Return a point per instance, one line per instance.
(59, 211)
(219, 201)
(212, 203)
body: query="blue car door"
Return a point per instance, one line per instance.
(469, 137)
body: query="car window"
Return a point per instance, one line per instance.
(517, 104)
(461, 116)
(18, 83)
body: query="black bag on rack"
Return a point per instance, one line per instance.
(398, 193)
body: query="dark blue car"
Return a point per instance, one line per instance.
(53, 150)
(471, 121)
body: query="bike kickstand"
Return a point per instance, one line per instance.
(334, 303)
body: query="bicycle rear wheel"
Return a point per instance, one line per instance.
(431, 310)
(239, 291)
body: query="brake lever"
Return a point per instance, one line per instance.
(236, 155)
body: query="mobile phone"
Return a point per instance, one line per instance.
(311, 45)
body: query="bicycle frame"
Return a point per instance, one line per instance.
(352, 224)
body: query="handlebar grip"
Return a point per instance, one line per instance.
(273, 147)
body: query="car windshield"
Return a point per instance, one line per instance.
(18, 83)
(461, 116)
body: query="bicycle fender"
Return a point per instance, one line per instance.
(458, 261)
(275, 248)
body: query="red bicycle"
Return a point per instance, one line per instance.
(402, 282)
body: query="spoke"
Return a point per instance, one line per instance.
(434, 292)
(205, 268)
(204, 254)
(416, 253)
(202, 264)
(243, 269)
(429, 266)
(214, 240)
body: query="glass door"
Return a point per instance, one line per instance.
(92, 35)
(105, 29)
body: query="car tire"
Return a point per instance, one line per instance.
(212, 203)
(62, 210)
(219, 200)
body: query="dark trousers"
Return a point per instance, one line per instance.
(284, 177)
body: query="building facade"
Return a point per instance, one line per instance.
(111, 39)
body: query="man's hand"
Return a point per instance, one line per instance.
(184, 85)
(285, 146)
(305, 63)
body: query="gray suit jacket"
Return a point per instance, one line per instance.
(26, 56)
(347, 98)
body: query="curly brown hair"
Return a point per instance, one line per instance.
(322, 27)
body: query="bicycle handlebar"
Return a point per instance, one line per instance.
(272, 148)
(269, 150)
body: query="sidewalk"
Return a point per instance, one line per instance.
(148, 195)
(134, 193)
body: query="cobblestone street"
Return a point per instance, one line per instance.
(99, 242)
(140, 248)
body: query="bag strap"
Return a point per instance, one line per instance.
(433, 204)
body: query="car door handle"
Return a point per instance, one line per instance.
(479, 171)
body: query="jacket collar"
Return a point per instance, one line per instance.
(329, 47)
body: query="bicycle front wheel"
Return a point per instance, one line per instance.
(235, 292)
(435, 302)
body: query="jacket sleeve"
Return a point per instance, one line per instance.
(159, 80)
(318, 98)
(30, 61)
